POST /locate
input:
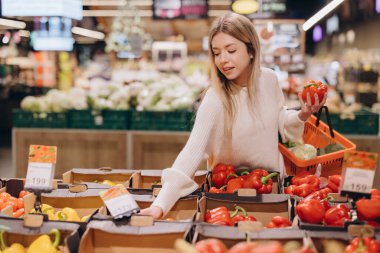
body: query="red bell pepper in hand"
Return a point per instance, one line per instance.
(363, 245)
(310, 210)
(220, 173)
(334, 182)
(368, 209)
(219, 216)
(210, 246)
(337, 216)
(279, 222)
(236, 217)
(375, 194)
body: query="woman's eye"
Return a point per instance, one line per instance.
(232, 51)
(216, 54)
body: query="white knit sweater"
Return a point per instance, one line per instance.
(254, 138)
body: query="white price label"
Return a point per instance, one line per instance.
(358, 180)
(121, 204)
(39, 175)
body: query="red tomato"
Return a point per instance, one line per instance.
(312, 87)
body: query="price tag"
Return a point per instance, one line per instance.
(118, 201)
(41, 165)
(358, 171)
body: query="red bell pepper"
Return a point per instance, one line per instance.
(363, 245)
(236, 217)
(220, 173)
(279, 222)
(309, 180)
(310, 210)
(319, 195)
(219, 216)
(267, 183)
(235, 184)
(289, 190)
(368, 209)
(303, 190)
(337, 216)
(375, 194)
(300, 175)
(253, 181)
(216, 190)
(334, 182)
(210, 246)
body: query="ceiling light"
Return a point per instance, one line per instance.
(88, 33)
(104, 2)
(12, 23)
(320, 14)
(245, 6)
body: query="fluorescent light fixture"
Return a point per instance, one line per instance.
(104, 2)
(12, 23)
(320, 14)
(24, 33)
(116, 13)
(87, 33)
(53, 44)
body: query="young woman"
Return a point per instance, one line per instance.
(240, 115)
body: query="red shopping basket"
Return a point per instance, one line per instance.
(318, 135)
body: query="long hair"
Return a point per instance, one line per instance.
(240, 28)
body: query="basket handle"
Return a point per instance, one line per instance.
(327, 117)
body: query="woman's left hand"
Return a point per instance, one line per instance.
(307, 108)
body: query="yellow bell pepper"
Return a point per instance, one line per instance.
(43, 243)
(60, 216)
(46, 209)
(83, 219)
(72, 215)
(14, 248)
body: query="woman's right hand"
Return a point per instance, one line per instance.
(154, 211)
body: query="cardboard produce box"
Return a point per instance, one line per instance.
(146, 179)
(17, 233)
(14, 187)
(263, 207)
(104, 174)
(232, 235)
(107, 237)
(184, 210)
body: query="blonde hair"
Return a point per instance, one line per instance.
(240, 28)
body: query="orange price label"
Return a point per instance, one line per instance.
(358, 172)
(119, 201)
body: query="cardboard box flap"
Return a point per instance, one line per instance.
(103, 172)
(157, 173)
(17, 227)
(220, 232)
(65, 193)
(330, 235)
(157, 228)
(261, 198)
(144, 198)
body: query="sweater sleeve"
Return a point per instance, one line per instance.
(290, 126)
(177, 181)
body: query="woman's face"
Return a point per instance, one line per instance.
(231, 58)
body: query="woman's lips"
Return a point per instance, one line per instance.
(227, 69)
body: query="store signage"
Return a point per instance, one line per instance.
(119, 202)
(43, 8)
(41, 166)
(260, 8)
(358, 171)
(180, 9)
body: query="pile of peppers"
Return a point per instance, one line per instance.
(42, 244)
(225, 180)
(363, 244)
(369, 209)
(221, 216)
